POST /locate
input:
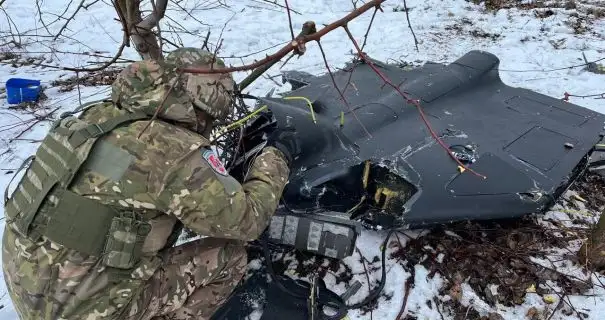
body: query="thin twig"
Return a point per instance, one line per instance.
(562, 298)
(90, 4)
(73, 15)
(408, 288)
(555, 69)
(33, 123)
(253, 53)
(342, 97)
(160, 107)
(289, 19)
(99, 68)
(205, 44)
(40, 16)
(277, 4)
(555, 309)
(365, 269)
(294, 44)
(59, 16)
(218, 47)
(220, 41)
(365, 36)
(176, 3)
(596, 95)
(10, 21)
(437, 307)
(407, 16)
(78, 84)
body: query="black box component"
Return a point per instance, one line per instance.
(313, 233)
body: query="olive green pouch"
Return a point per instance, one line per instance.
(125, 241)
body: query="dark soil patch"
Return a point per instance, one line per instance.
(494, 257)
(581, 13)
(494, 5)
(17, 60)
(90, 79)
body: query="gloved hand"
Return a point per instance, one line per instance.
(285, 140)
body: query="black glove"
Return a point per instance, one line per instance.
(285, 140)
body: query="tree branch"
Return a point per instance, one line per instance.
(155, 13)
(123, 20)
(307, 29)
(294, 45)
(140, 29)
(407, 15)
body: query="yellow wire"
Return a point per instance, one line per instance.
(601, 145)
(366, 174)
(584, 213)
(241, 121)
(309, 103)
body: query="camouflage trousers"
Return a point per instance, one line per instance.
(195, 279)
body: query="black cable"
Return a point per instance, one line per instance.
(372, 295)
(334, 303)
(376, 291)
(272, 273)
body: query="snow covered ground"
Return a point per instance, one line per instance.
(535, 52)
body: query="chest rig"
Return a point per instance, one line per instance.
(42, 204)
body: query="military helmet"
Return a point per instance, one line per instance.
(210, 92)
(145, 85)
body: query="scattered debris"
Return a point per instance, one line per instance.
(401, 8)
(558, 44)
(578, 23)
(478, 33)
(17, 60)
(593, 66)
(581, 13)
(543, 14)
(90, 79)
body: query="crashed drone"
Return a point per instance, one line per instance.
(377, 165)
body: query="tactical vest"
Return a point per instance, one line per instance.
(42, 205)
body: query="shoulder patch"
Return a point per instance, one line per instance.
(213, 160)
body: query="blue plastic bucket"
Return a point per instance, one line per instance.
(22, 90)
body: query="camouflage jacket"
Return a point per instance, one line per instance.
(168, 175)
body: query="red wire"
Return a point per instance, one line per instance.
(408, 100)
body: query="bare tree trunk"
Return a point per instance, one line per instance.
(592, 252)
(139, 29)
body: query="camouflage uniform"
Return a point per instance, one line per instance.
(169, 177)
